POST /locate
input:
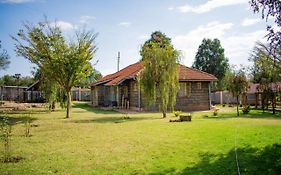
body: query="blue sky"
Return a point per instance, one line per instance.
(125, 25)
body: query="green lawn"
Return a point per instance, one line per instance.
(95, 141)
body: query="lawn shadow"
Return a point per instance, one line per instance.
(108, 119)
(16, 120)
(251, 161)
(89, 108)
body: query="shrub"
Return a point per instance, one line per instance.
(177, 113)
(223, 105)
(246, 109)
(216, 111)
(5, 135)
(27, 121)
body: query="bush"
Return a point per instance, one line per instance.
(27, 121)
(223, 105)
(216, 111)
(246, 109)
(177, 113)
(5, 135)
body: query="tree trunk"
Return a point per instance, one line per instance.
(237, 104)
(273, 103)
(164, 111)
(164, 114)
(68, 105)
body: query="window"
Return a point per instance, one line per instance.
(185, 89)
(199, 85)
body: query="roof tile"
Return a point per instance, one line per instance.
(185, 74)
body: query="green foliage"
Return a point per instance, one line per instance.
(27, 124)
(246, 109)
(177, 113)
(4, 58)
(237, 84)
(63, 62)
(215, 112)
(160, 75)
(270, 9)
(52, 92)
(9, 80)
(266, 71)
(210, 58)
(93, 77)
(5, 135)
(266, 68)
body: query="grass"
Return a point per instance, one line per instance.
(95, 141)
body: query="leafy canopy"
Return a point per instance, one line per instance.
(270, 8)
(210, 58)
(4, 58)
(61, 61)
(237, 84)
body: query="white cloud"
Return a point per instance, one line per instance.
(209, 5)
(63, 25)
(125, 24)
(237, 46)
(250, 21)
(86, 19)
(16, 1)
(171, 8)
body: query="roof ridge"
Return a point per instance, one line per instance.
(133, 69)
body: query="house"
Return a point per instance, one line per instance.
(33, 93)
(121, 89)
(12, 93)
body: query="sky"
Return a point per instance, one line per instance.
(124, 25)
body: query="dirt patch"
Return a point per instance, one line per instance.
(12, 159)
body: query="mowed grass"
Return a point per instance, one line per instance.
(94, 141)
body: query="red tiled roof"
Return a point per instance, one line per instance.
(185, 74)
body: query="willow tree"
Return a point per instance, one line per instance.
(237, 84)
(160, 75)
(61, 61)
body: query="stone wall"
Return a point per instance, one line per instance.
(197, 100)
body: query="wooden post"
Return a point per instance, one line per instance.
(139, 97)
(117, 96)
(210, 101)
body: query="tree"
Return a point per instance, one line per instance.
(270, 8)
(10, 80)
(160, 75)
(93, 77)
(51, 90)
(210, 58)
(63, 62)
(237, 84)
(4, 58)
(266, 71)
